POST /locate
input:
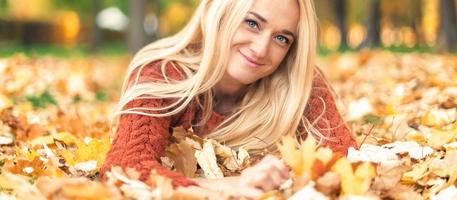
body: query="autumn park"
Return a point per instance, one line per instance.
(69, 129)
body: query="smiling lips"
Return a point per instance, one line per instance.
(251, 62)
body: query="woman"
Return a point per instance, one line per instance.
(242, 73)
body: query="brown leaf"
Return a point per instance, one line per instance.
(388, 174)
(182, 154)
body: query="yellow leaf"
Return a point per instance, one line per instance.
(439, 117)
(365, 172)
(5, 102)
(65, 137)
(28, 154)
(441, 137)
(324, 155)
(68, 156)
(352, 183)
(418, 172)
(291, 155)
(94, 150)
(308, 150)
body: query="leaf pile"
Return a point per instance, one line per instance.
(55, 132)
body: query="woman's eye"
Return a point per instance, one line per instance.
(252, 24)
(282, 39)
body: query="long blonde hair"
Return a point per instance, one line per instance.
(272, 107)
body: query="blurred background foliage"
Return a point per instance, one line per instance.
(81, 27)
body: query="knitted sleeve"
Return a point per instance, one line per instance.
(141, 140)
(322, 113)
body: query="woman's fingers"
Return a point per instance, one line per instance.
(267, 175)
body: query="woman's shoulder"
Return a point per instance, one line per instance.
(319, 79)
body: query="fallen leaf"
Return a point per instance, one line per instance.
(354, 182)
(419, 171)
(70, 188)
(389, 174)
(206, 158)
(20, 186)
(183, 156)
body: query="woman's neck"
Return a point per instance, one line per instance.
(229, 88)
(228, 95)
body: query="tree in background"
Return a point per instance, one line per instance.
(373, 25)
(416, 20)
(96, 33)
(136, 36)
(339, 7)
(448, 26)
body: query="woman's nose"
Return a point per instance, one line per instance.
(260, 45)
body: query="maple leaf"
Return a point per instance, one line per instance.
(307, 159)
(94, 150)
(32, 168)
(290, 154)
(183, 155)
(354, 182)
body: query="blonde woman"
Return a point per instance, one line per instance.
(241, 72)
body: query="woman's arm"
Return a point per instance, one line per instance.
(322, 112)
(141, 140)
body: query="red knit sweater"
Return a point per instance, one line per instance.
(140, 140)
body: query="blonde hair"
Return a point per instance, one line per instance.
(272, 107)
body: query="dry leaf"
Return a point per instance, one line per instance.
(419, 171)
(448, 193)
(20, 186)
(71, 188)
(388, 173)
(183, 156)
(206, 158)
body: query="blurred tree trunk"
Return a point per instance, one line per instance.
(96, 32)
(417, 21)
(339, 7)
(373, 25)
(448, 26)
(136, 36)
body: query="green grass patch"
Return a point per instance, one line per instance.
(40, 50)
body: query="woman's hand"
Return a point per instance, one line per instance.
(267, 175)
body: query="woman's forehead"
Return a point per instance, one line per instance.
(283, 13)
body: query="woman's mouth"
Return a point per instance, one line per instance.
(251, 62)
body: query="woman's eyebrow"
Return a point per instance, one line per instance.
(259, 17)
(284, 31)
(287, 32)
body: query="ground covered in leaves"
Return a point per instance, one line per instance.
(402, 108)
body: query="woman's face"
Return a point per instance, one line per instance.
(263, 40)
